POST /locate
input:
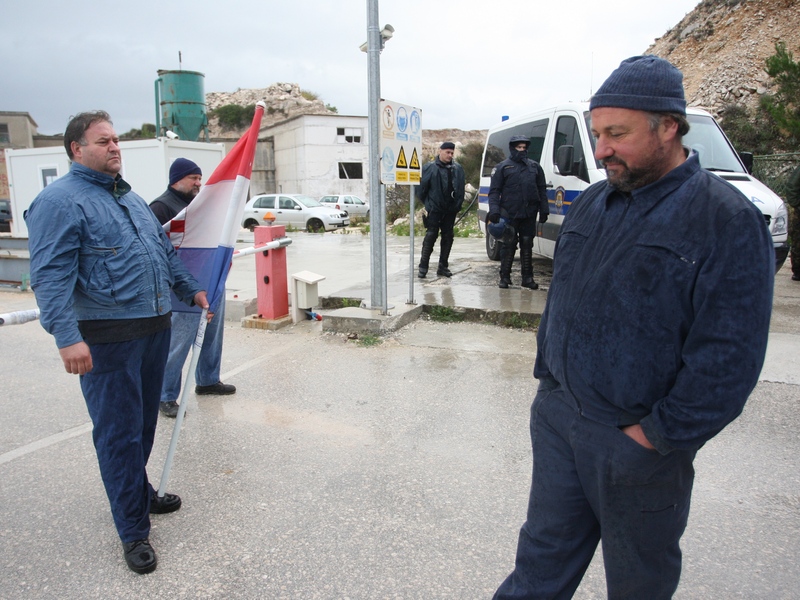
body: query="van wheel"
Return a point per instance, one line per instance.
(314, 226)
(492, 247)
(251, 224)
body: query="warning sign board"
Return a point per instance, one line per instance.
(401, 159)
(401, 137)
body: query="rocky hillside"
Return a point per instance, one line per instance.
(721, 47)
(284, 100)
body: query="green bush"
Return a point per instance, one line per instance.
(233, 116)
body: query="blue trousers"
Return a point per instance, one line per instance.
(184, 330)
(591, 481)
(122, 392)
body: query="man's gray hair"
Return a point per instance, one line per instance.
(656, 118)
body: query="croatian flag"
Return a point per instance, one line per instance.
(204, 233)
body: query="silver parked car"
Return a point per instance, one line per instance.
(297, 210)
(353, 205)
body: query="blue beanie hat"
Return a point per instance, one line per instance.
(645, 83)
(181, 168)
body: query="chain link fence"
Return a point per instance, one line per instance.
(774, 170)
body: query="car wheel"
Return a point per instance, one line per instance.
(492, 247)
(314, 226)
(251, 224)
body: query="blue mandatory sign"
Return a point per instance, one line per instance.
(402, 118)
(387, 160)
(415, 122)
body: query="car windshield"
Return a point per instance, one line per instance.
(307, 201)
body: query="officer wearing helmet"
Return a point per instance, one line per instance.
(518, 195)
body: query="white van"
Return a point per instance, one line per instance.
(562, 144)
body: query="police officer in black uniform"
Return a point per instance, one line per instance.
(518, 193)
(442, 193)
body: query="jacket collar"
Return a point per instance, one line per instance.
(115, 185)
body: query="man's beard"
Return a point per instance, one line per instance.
(631, 179)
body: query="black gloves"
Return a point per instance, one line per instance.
(542, 217)
(493, 218)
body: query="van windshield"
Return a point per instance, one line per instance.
(706, 138)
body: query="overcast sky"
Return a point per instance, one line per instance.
(465, 63)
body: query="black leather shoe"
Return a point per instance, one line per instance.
(168, 409)
(422, 275)
(161, 506)
(218, 389)
(530, 284)
(444, 272)
(504, 283)
(795, 277)
(140, 556)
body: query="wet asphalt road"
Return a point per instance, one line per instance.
(343, 471)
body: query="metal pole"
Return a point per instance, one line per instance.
(411, 246)
(377, 214)
(189, 384)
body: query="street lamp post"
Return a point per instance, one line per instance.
(377, 214)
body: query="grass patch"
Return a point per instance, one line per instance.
(368, 340)
(445, 314)
(401, 229)
(351, 303)
(517, 321)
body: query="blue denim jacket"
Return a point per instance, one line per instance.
(98, 252)
(659, 308)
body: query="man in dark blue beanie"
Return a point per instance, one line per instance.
(652, 338)
(185, 179)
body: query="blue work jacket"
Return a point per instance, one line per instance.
(98, 252)
(659, 308)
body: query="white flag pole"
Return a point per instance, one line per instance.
(19, 317)
(189, 384)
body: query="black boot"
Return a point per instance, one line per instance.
(444, 254)
(506, 262)
(427, 250)
(526, 258)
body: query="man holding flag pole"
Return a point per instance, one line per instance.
(101, 270)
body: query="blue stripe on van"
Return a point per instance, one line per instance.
(557, 206)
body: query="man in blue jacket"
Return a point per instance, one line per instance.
(652, 339)
(102, 268)
(518, 194)
(441, 190)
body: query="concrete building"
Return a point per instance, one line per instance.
(17, 130)
(314, 155)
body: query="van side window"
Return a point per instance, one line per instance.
(497, 145)
(568, 134)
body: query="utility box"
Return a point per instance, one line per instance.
(145, 165)
(305, 294)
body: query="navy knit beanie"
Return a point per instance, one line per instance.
(645, 83)
(447, 146)
(181, 168)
